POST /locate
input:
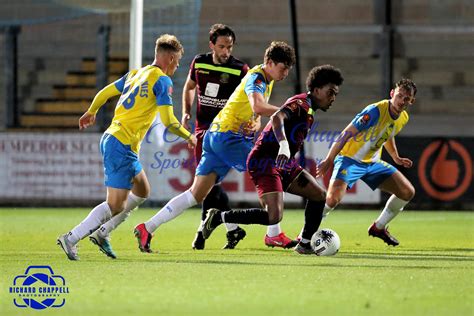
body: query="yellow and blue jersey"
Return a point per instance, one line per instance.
(143, 91)
(375, 125)
(237, 113)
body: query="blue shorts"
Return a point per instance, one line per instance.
(223, 151)
(350, 170)
(121, 164)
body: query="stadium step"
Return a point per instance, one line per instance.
(42, 120)
(80, 78)
(69, 101)
(116, 65)
(70, 92)
(62, 106)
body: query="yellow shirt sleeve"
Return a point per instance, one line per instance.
(102, 96)
(171, 122)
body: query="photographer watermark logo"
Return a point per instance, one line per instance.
(39, 288)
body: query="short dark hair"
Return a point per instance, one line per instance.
(322, 75)
(280, 52)
(407, 84)
(218, 29)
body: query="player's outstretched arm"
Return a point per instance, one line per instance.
(324, 166)
(172, 123)
(391, 148)
(88, 118)
(189, 92)
(260, 106)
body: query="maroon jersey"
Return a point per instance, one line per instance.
(299, 120)
(214, 84)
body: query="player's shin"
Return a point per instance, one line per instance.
(133, 201)
(326, 210)
(248, 216)
(216, 198)
(211, 201)
(392, 208)
(175, 207)
(100, 214)
(313, 215)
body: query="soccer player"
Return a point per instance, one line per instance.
(357, 156)
(213, 77)
(228, 142)
(272, 164)
(144, 92)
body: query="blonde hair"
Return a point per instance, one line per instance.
(168, 43)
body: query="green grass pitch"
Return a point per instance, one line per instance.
(430, 273)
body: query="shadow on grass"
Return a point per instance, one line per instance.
(407, 256)
(439, 249)
(317, 263)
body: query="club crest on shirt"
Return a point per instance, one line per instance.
(259, 82)
(224, 78)
(364, 119)
(170, 91)
(293, 106)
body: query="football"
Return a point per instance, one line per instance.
(325, 242)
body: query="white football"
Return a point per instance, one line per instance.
(325, 242)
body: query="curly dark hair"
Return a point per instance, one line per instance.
(322, 75)
(280, 52)
(407, 84)
(218, 29)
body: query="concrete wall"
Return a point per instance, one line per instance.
(440, 63)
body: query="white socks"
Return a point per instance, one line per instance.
(326, 210)
(393, 206)
(273, 230)
(99, 215)
(133, 201)
(172, 209)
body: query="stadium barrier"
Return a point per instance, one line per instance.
(66, 169)
(442, 171)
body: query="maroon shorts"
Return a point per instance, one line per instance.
(198, 149)
(273, 179)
